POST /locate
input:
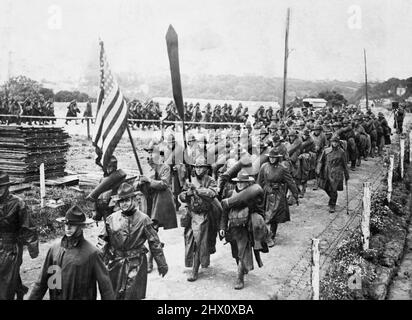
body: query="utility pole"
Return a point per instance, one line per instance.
(366, 81)
(285, 65)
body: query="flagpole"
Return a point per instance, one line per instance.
(134, 148)
(285, 65)
(366, 81)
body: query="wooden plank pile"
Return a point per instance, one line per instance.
(24, 148)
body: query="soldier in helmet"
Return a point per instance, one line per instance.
(242, 216)
(293, 147)
(399, 116)
(200, 223)
(319, 139)
(123, 240)
(159, 197)
(275, 179)
(306, 154)
(112, 178)
(174, 157)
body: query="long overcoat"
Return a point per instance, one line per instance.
(332, 167)
(204, 212)
(16, 230)
(123, 238)
(161, 206)
(275, 179)
(80, 266)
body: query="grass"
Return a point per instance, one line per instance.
(45, 218)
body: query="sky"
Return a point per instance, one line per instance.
(57, 40)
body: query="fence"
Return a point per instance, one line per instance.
(402, 157)
(161, 123)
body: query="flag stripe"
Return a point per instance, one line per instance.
(112, 113)
(116, 133)
(112, 125)
(102, 116)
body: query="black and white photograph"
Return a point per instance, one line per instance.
(221, 152)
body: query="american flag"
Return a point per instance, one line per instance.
(111, 116)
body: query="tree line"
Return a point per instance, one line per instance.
(22, 87)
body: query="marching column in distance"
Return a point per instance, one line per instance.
(16, 230)
(274, 178)
(331, 169)
(243, 225)
(122, 239)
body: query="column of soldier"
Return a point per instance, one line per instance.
(32, 109)
(237, 187)
(193, 112)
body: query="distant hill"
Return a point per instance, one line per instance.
(224, 87)
(393, 88)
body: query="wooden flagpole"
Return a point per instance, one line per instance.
(366, 81)
(285, 65)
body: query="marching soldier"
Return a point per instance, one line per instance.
(72, 111)
(319, 139)
(160, 203)
(331, 169)
(122, 239)
(306, 154)
(399, 116)
(243, 226)
(88, 112)
(16, 230)
(293, 147)
(274, 178)
(80, 263)
(201, 220)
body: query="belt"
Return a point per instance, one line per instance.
(120, 254)
(275, 185)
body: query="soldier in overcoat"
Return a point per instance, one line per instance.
(331, 169)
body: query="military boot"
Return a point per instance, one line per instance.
(303, 190)
(195, 270)
(315, 186)
(240, 282)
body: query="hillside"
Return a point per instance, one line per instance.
(222, 87)
(388, 89)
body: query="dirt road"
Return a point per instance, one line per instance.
(286, 270)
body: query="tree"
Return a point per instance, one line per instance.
(22, 87)
(333, 98)
(46, 93)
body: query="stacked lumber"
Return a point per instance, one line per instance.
(24, 148)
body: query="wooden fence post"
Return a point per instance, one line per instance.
(366, 212)
(390, 175)
(315, 269)
(410, 146)
(88, 128)
(42, 186)
(402, 143)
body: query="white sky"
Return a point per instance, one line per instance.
(215, 37)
